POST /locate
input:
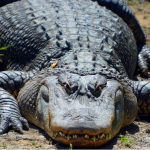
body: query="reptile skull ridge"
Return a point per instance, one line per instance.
(82, 110)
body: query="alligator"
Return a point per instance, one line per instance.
(71, 67)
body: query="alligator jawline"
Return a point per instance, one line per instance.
(60, 134)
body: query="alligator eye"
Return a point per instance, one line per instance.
(118, 96)
(97, 91)
(74, 87)
(44, 93)
(91, 88)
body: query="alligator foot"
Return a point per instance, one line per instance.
(9, 114)
(141, 90)
(17, 123)
(144, 60)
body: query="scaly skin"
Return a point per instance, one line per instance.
(89, 95)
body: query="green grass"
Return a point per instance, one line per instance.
(124, 139)
(37, 146)
(145, 17)
(4, 47)
(33, 143)
(71, 146)
(140, 8)
(4, 145)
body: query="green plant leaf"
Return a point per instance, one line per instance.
(5, 47)
(32, 143)
(124, 139)
(4, 144)
(70, 146)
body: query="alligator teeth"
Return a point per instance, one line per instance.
(60, 133)
(52, 133)
(74, 136)
(106, 136)
(109, 135)
(68, 137)
(86, 136)
(55, 134)
(102, 136)
(94, 138)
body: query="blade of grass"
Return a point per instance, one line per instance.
(5, 47)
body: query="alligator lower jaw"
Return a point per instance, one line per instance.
(83, 140)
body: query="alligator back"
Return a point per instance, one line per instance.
(46, 30)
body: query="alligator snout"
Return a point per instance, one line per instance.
(82, 114)
(82, 120)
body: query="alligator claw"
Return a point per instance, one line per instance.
(24, 123)
(1, 131)
(18, 123)
(144, 59)
(4, 125)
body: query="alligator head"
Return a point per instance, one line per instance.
(83, 110)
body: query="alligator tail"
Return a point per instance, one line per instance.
(121, 8)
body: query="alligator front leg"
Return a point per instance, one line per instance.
(144, 59)
(10, 116)
(141, 90)
(10, 113)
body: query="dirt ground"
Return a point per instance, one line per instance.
(135, 136)
(142, 12)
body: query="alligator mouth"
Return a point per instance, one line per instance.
(94, 138)
(80, 139)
